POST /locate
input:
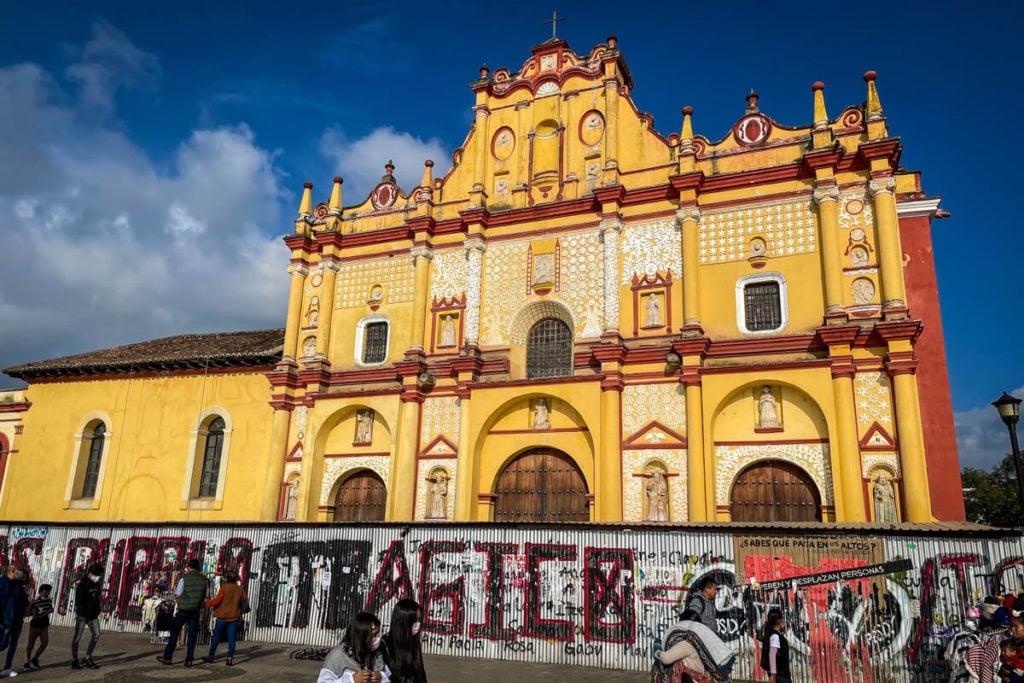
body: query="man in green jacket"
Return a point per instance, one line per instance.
(191, 594)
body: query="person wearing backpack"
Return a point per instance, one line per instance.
(228, 606)
(775, 648)
(191, 595)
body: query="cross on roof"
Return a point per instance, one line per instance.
(554, 23)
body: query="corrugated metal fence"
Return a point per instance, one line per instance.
(863, 604)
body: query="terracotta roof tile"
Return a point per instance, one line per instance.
(257, 347)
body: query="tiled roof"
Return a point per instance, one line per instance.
(216, 349)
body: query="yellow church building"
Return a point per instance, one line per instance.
(583, 319)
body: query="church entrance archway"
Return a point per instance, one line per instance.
(775, 491)
(361, 498)
(541, 485)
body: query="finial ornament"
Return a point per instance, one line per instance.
(554, 24)
(752, 98)
(873, 106)
(334, 206)
(389, 172)
(820, 114)
(306, 203)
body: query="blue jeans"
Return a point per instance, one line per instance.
(15, 634)
(218, 630)
(181, 619)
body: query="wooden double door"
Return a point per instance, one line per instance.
(541, 485)
(775, 491)
(361, 498)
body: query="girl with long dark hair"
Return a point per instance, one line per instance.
(403, 651)
(357, 659)
(775, 648)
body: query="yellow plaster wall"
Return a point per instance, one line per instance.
(151, 422)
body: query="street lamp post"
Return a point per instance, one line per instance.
(1009, 411)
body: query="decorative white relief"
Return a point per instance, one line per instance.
(644, 403)
(355, 279)
(812, 458)
(870, 462)
(648, 248)
(424, 468)
(474, 254)
(301, 420)
(581, 287)
(505, 275)
(633, 492)
(335, 468)
(450, 274)
(856, 210)
(610, 235)
(788, 228)
(874, 400)
(440, 417)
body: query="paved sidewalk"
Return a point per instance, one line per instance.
(129, 658)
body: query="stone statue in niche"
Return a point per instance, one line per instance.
(885, 500)
(653, 311)
(657, 497)
(859, 256)
(309, 347)
(767, 410)
(291, 499)
(364, 426)
(543, 269)
(862, 290)
(448, 330)
(758, 247)
(439, 496)
(376, 294)
(313, 313)
(541, 415)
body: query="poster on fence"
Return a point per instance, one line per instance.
(773, 562)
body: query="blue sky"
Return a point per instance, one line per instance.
(155, 154)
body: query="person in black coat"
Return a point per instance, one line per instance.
(13, 601)
(402, 650)
(88, 605)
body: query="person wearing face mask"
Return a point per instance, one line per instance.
(358, 659)
(403, 652)
(88, 604)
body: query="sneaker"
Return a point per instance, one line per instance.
(75, 664)
(8, 673)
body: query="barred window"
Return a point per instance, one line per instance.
(210, 474)
(94, 442)
(549, 350)
(375, 342)
(762, 306)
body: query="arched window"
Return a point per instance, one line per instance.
(373, 340)
(549, 350)
(209, 476)
(92, 447)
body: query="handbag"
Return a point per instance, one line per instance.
(243, 605)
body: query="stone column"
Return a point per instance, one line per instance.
(890, 252)
(609, 470)
(327, 289)
(291, 332)
(913, 466)
(421, 258)
(278, 451)
(611, 135)
(847, 486)
(610, 229)
(689, 221)
(475, 248)
(464, 503)
(697, 493)
(402, 494)
(482, 145)
(826, 198)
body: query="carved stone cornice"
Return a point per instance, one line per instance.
(298, 269)
(688, 214)
(828, 193)
(474, 243)
(881, 186)
(421, 252)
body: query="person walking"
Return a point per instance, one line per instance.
(403, 652)
(13, 602)
(775, 648)
(227, 608)
(39, 627)
(88, 605)
(358, 659)
(702, 605)
(191, 594)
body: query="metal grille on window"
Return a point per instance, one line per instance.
(211, 459)
(549, 350)
(92, 465)
(762, 303)
(375, 343)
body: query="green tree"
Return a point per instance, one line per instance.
(991, 497)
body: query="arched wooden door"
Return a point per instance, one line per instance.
(541, 485)
(361, 498)
(775, 491)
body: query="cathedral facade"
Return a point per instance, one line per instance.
(583, 319)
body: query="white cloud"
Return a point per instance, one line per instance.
(981, 436)
(103, 245)
(361, 161)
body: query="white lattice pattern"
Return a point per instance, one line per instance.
(812, 458)
(874, 402)
(634, 487)
(787, 228)
(648, 248)
(440, 416)
(394, 275)
(643, 403)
